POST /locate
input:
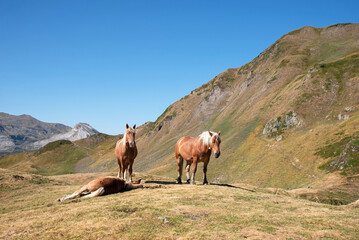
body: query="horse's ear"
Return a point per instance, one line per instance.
(210, 134)
(219, 132)
(134, 126)
(127, 125)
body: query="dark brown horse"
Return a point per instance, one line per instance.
(102, 186)
(195, 150)
(126, 152)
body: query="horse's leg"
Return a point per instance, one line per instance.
(125, 174)
(205, 173)
(130, 172)
(179, 169)
(124, 168)
(66, 197)
(96, 193)
(76, 194)
(194, 171)
(188, 167)
(119, 161)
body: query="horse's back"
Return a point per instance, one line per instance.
(184, 146)
(183, 140)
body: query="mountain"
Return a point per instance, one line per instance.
(18, 132)
(289, 119)
(25, 133)
(310, 74)
(79, 131)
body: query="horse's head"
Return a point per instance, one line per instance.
(130, 134)
(214, 143)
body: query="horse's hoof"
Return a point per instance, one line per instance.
(205, 183)
(188, 181)
(193, 183)
(179, 181)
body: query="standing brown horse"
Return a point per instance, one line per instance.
(102, 186)
(195, 150)
(126, 152)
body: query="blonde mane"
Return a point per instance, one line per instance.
(130, 129)
(206, 138)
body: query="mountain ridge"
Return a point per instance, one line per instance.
(25, 133)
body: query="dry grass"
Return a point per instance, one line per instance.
(29, 211)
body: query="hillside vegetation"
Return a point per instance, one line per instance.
(312, 72)
(63, 156)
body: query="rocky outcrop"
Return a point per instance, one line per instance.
(277, 126)
(6, 144)
(79, 131)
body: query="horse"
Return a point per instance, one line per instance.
(126, 152)
(195, 150)
(103, 186)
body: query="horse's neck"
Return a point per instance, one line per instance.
(126, 145)
(201, 145)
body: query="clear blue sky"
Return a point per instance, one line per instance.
(109, 63)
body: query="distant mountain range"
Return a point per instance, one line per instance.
(24, 133)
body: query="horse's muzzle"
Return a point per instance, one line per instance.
(216, 155)
(132, 144)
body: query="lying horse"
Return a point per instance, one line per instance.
(102, 186)
(195, 150)
(126, 152)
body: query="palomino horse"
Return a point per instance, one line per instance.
(102, 186)
(126, 152)
(195, 150)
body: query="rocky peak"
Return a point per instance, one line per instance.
(79, 131)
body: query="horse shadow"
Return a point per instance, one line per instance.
(162, 182)
(215, 184)
(231, 186)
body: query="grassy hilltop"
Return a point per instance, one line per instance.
(28, 210)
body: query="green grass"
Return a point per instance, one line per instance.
(305, 97)
(335, 71)
(343, 154)
(273, 78)
(52, 146)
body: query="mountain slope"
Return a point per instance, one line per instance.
(17, 133)
(24, 133)
(309, 76)
(312, 72)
